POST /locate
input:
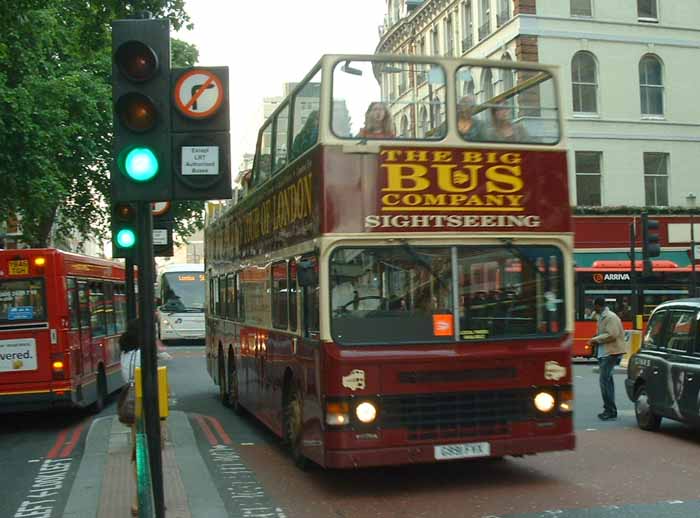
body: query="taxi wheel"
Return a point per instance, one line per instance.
(293, 425)
(646, 418)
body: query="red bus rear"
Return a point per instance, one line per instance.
(612, 280)
(60, 318)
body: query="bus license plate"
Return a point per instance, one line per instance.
(19, 267)
(463, 451)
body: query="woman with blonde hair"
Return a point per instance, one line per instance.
(378, 122)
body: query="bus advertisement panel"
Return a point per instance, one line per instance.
(404, 299)
(61, 315)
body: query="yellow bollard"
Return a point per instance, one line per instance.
(163, 390)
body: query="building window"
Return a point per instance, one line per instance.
(485, 17)
(435, 42)
(467, 27)
(449, 37)
(486, 85)
(651, 87)
(503, 12)
(646, 11)
(656, 179)
(584, 83)
(588, 178)
(581, 8)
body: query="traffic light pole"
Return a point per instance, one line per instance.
(633, 276)
(149, 374)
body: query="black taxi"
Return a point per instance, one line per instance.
(663, 377)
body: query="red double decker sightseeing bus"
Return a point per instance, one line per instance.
(60, 318)
(395, 283)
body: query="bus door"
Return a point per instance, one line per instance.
(86, 358)
(73, 345)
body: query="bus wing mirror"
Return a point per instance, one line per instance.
(351, 70)
(306, 275)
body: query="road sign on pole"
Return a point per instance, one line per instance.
(200, 134)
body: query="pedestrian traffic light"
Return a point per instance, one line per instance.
(140, 92)
(124, 231)
(650, 241)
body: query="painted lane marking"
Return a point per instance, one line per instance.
(73, 441)
(48, 483)
(60, 441)
(245, 492)
(207, 431)
(219, 429)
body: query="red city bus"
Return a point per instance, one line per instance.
(60, 319)
(405, 295)
(611, 279)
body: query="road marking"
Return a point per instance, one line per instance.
(73, 441)
(591, 429)
(207, 431)
(47, 483)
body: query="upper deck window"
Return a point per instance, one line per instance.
(22, 300)
(371, 99)
(524, 111)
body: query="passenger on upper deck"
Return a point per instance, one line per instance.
(307, 136)
(467, 126)
(502, 127)
(378, 122)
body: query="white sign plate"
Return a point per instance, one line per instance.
(200, 160)
(18, 355)
(160, 236)
(466, 450)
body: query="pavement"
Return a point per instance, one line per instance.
(104, 486)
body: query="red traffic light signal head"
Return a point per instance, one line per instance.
(137, 112)
(125, 211)
(136, 61)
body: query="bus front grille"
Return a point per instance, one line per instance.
(455, 415)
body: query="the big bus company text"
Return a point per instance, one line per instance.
(61, 315)
(394, 283)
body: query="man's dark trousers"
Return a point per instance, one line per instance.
(607, 385)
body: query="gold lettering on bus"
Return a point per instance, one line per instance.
(443, 180)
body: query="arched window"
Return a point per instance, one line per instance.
(486, 85)
(423, 121)
(507, 74)
(404, 127)
(651, 86)
(468, 88)
(584, 83)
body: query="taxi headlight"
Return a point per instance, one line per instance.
(544, 402)
(366, 412)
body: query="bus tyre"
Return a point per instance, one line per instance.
(232, 400)
(646, 418)
(101, 389)
(293, 425)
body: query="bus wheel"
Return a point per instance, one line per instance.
(99, 403)
(222, 380)
(232, 398)
(646, 418)
(293, 424)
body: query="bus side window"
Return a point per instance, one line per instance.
(311, 307)
(120, 307)
(292, 287)
(97, 309)
(280, 300)
(83, 303)
(73, 308)
(241, 301)
(110, 317)
(231, 297)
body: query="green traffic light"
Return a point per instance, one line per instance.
(126, 238)
(141, 164)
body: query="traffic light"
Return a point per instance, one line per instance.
(140, 93)
(125, 231)
(650, 241)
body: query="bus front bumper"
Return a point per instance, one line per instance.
(421, 454)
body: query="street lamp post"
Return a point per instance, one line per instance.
(690, 201)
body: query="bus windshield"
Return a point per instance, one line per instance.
(22, 300)
(378, 99)
(183, 291)
(405, 294)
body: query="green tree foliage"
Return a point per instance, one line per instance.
(56, 113)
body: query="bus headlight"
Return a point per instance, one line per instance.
(566, 401)
(544, 402)
(366, 412)
(337, 413)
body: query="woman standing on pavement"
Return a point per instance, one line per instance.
(130, 344)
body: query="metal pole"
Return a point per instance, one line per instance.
(149, 374)
(633, 276)
(693, 280)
